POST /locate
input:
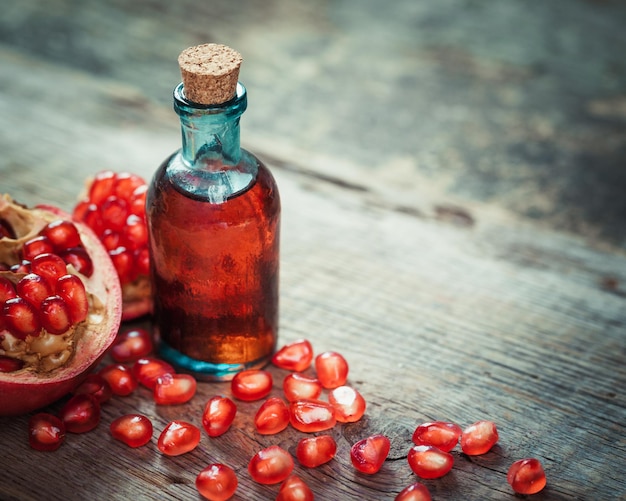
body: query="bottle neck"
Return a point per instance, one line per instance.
(210, 133)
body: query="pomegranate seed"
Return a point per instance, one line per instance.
(9, 364)
(55, 315)
(35, 246)
(479, 438)
(90, 215)
(441, 434)
(526, 476)
(173, 389)
(123, 261)
(22, 267)
(7, 289)
(138, 201)
(332, 369)
(348, 403)
(271, 465)
(49, 266)
(79, 259)
(294, 489)
(297, 386)
(131, 345)
(142, 261)
(296, 356)
(80, 414)
(311, 416)
(102, 186)
(414, 492)
(20, 318)
(73, 292)
(136, 232)
(178, 437)
(134, 430)
(33, 288)
(45, 432)
(62, 234)
(96, 386)
(147, 370)
(126, 184)
(369, 454)
(120, 378)
(272, 417)
(219, 413)
(315, 451)
(114, 212)
(111, 239)
(217, 482)
(428, 461)
(251, 385)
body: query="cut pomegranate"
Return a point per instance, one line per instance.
(526, 476)
(294, 489)
(45, 432)
(219, 413)
(173, 389)
(441, 434)
(428, 461)
(178, 437)
(250, 385)
(96, 386)
(147, 370)
(296, 356)
(271, 465)
(479, 438)
(311, 416)
(315, 451)
(332, 369)
(217, 482)
(414, 492)
(272, 417)
(298, 386)
(80, 414)
(134, 430)
(120, 378)
(369, 454)
(348, 403)
(131, 345)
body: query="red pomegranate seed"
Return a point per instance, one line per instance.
(315, 451)
(173, 389)
(22, 267)
(111, 239)
(441, 434)
(45, 432)
(49, 266)
(131, 345)
(33, 288)
(311, 416)
(114, 212)
(7, 289)
(138, 201)
(348, 403)
(142, 261)
(96, 386)
(9, 364)
(332, 369)
(294, 489)
(55, 315)
(272, 417)
(79, 259)
(219, 413)
(89, 213)
(296, 356)
(120, 378)
(217, 482)
(62, 234)
(271, 465)
(126, 184)
(428, 461)
(251, 385)
(134, 430)
(178, 437)
(526, 476)
(414, 492)
(135, 232)
(35, 246)
(298, 386)
(147, 370)
(73, 292)
(479, 438)
(20, 318)
(102, 186)
(369, 454)
(124, 264)
(80, 414)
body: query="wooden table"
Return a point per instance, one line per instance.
(453, 224)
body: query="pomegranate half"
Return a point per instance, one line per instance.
(45, 359)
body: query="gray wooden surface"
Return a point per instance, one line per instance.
(454, 206)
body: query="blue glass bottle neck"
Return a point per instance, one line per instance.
(210, 133)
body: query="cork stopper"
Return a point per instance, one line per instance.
(210, 73)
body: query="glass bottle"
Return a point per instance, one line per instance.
(214, 219)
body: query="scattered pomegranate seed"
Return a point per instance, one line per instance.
(250, 385)
(315, 451)
(441, 434)
(131, 345)
(526, 476)
(272, 417)
(428, 461)
(332, 369)
(173, 389)
(10, 364)
(120, 379)
(369, 454)
(311, 416)
(45, 432)
(219, 413)
(479, 438)
(271, 465)
(96, 386)
(178, 437)
(297, 386)
(134, 430)
(217, 482)
(348, 403)
(294, 489)
(147, 370)
(80, 414)
(414, 492)
(296, 356)
(73, 292)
